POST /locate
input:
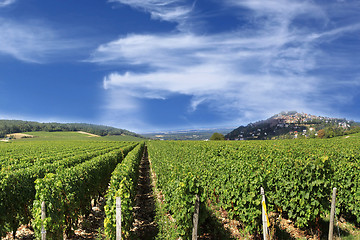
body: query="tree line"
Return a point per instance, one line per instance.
(18, 126)
(330, 132)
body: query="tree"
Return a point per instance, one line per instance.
(329, 133)
(321, 133)
(217, 136)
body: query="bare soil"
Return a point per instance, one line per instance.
(19, 135)
(90, 134)
(144, 226)
(88, 227)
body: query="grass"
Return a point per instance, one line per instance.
(57, 136)
(356, 135)
(122, 138)
(53, 136)
(346, 230)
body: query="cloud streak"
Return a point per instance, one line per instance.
(34, 42)
(4, 3)
(251, 72)
(177, 11)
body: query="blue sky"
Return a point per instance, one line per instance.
(151, 65)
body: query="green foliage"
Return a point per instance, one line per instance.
(217, 136)
(123, 138)
(297, 177)
(181, 203)
(18, 126)
(68, 193)
(283, 126)
(166, 227)
(177, 184)
(330, 132)
(352, 130)
(347, 182)
(21, 163)
(49, 190)
(123, 184)
(300, 188)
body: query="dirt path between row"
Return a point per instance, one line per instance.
(144, 226)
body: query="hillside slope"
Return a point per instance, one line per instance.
(17, 126)
(294, 125)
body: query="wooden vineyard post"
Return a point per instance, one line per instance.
(43, 216)
(196, 218)
(265, 219)
(118, 218)
(332, 213)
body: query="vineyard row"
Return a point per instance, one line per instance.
(20, 188)
(297, 176)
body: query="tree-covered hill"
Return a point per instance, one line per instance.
(17, 126)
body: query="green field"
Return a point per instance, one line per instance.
(81, 167)
(51, 136)
(357, 135)
(297, 175)
(123, 138)
(68, 169)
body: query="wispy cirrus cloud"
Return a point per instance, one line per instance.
(226, 72)
(4, 3)
(334, 33)
(179, 50)
(249, 72)
(177, 11)
(278, 8)
(34, 41)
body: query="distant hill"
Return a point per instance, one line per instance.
(294, 125)
(199, 134)
(18, 126)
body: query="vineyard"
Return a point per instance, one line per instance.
(297, 176)
(64, 174)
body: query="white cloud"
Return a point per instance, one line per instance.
(4, 3)
(33, 41)
(177, 51)
(220, 81)
(281, 7)
(172, 11)
(194, 80)
(135, 49)
(250, 73)
(334, 33)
